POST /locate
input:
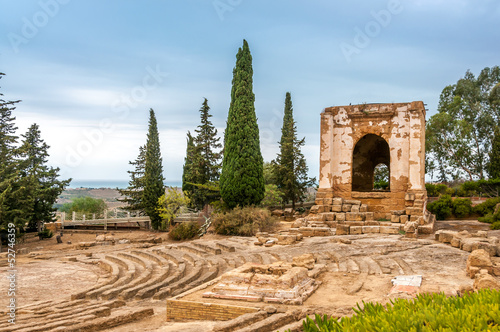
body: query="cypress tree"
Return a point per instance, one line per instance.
(290, 164)
(133, 193)
(38, 180)
(153, 173)
(188, 171)
(494, 162)
(242, 179)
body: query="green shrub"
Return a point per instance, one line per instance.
(434, 190)
(243, 221)
(45, 234)
(184, 231)
(486, 207)
(271, 196)
(461, 207)
(495, 225)
(442, 208)
(428, 312)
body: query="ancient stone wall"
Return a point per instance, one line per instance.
(355, 139)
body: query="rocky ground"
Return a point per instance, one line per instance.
(124, 278)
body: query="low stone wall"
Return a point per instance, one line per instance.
(178, 310)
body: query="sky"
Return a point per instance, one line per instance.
(88, 71)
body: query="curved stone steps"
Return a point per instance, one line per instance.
(163, 289)
(187, 247)
(219, 262)
(404, 266)
(210, 273)
(180, 285)
(59, 318)
(117, 271)
(157, 282)
(271, 323)
(160, 260)
(127, 273)
(390, 266)
(368, 265)
(117, 318)
(152, 274)
(346, 264)
(139, 275)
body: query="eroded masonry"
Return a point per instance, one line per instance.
(355, 141)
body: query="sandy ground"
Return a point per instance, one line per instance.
(351, 275)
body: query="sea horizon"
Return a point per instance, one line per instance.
(111, 184)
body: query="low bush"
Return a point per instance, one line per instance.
(45, 234)
(442, 208)
(245, 221)
(184, 231)
(487, 207)
(495, 225)
(428, 312)
(434, 190)
(461, 207)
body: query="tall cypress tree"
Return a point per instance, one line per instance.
(208, 142)
(188, 171)
(242, 178)
(494, 162)
(134, 192)
(38, 180)
(290, 164)
(153, 173)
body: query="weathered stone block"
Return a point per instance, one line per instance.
(354, 216)
(327, 208)
(355, 208)
(336, 208)
(389, 230)
(372, 223)
(371, 229)
(314, 209)
(338, 201)
(369, 216)
(354, 223)
(447, 236)
(479, 259)
(403, 219)
(322, 231)
(426, 229)
(356, 230)
(363, 208)
(352, 202)
(307, 231)
(409, 197)
(398, 212)
(342, 229)
(327, 201)
(395, 218)
(346, 208)
(329, 216)
(340, 217)
(287, 239)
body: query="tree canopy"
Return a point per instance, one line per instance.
(459, 136)
(242, 178)
(132, 195)
(153, 173)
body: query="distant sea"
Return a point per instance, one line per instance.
(75, 183)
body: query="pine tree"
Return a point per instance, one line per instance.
(494, 162)
(242, 179)
(153, 173)
(133, 193)
(204, 162)
(10, 190)
(39, 181)
(290, 165)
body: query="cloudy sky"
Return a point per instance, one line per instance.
(88, 71)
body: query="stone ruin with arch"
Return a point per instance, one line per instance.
(354, 140)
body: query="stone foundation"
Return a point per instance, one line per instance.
(287, 283)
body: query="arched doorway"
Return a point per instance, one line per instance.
(370, 151)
